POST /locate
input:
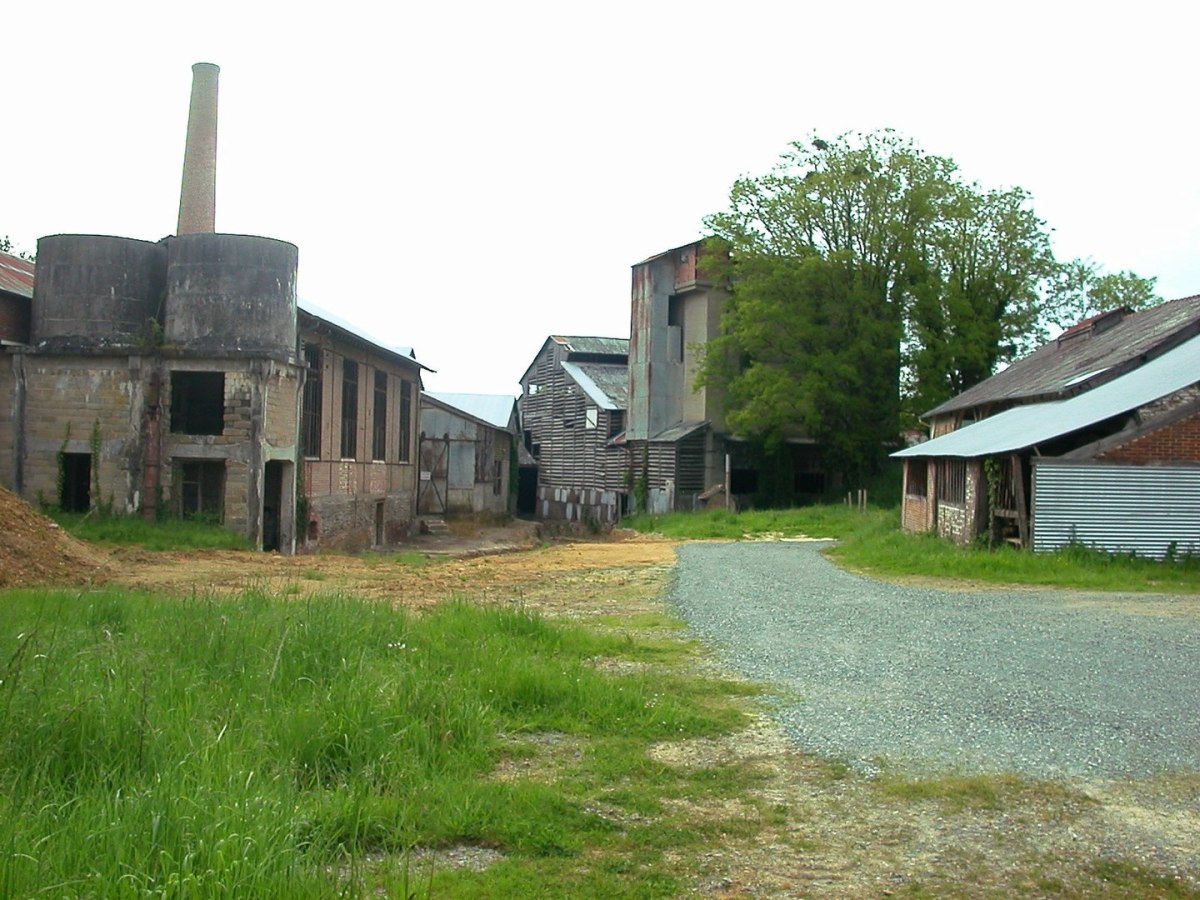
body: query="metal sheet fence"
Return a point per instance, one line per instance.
(1153, 511)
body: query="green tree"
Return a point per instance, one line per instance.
(978, 301)
(870, 282)
(1082, 289)
(7, 246)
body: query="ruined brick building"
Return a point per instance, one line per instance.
(174, 377)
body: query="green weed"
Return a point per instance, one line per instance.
(872, 542)
(162, 534)
(254, 746)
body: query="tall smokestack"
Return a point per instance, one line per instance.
(198, 196)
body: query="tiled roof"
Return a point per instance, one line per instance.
(607, 385)
(1094, 351)
(16, 275)
(595, 346)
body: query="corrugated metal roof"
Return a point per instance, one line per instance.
(16, 275)
(606, 385)
(697, 242)
(405, 353)
(1026, 426)
(1055, 369)
(678, 432)
(495, 409)
(607, 346)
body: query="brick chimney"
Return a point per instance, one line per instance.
(198, 195)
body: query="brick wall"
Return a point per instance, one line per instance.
(915, 514)
(348, 521)
(1176, 442)
(578, 505)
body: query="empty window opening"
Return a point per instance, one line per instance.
(311, 414)
(349, 449)
(201, 489)
(380, 532)
(675, 328)
(616, 422)
(917, 483)
(405, 454)
(275, 475)
(952, 481)
(75, 491)
(197, 402)
(379, 423)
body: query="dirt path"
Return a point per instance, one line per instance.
(559, 579)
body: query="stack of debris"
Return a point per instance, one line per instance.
(35, 551)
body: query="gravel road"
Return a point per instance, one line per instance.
(1044, 683)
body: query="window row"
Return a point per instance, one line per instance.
(353, 407)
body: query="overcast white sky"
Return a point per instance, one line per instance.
(470, 177)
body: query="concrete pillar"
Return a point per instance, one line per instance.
(198, 195)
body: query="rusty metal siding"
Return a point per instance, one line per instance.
(1145, 510)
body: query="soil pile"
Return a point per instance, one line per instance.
(35, 551)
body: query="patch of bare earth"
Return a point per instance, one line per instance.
(34, 551)
(807, 826)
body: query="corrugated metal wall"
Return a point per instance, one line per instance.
(1118, 509)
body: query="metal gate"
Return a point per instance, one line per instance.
(435, 475)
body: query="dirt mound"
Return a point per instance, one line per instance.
(35, 551)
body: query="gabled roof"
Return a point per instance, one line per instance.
(1036, 423)
(16, 275)
(608, 350)
(605, 384)
(1094, 351)
(491, 409)
(331, 322)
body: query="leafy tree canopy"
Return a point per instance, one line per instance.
(870, 282)
(7, 246)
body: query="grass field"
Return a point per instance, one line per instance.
(264, 745)
(260, 748)
(160, 534)
(871, 541)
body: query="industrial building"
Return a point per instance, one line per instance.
(178, 377)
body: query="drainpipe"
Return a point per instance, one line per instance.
(152, 442)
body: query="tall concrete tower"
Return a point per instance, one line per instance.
(198, 195)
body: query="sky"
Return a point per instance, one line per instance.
(467, 178)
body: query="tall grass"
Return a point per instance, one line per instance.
(818, 521)
(162, 534)
(259, 747)
(872, 541)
